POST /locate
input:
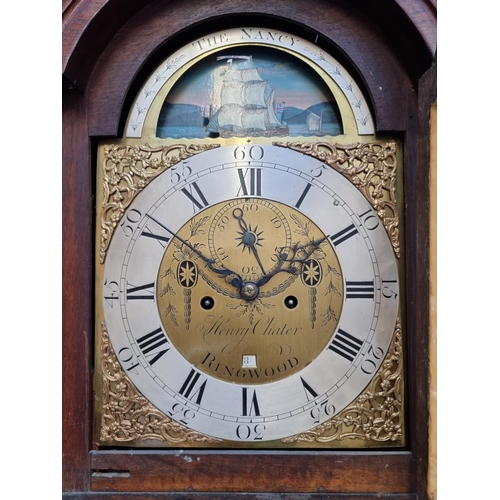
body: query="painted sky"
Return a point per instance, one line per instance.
(294, 82)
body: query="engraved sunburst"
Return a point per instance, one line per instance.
(187, 274)
(311, 272)
(250, 238)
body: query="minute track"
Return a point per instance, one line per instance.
(144, 261)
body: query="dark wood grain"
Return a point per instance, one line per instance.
(426, 97)
(108, 47)
(356, 38)
(236, 496)
(77, 281)
(386, 472)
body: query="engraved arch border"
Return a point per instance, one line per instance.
(163, 77)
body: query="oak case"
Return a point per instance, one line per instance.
(100, 97)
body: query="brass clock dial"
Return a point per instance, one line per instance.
(253, 315)
(259, 293)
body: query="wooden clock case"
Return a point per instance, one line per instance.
(109, 47)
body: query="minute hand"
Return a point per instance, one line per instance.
(284, 258)
(237, 282)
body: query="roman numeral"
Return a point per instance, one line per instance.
(308, 390)
(132, 293)
(343, 235)
(249, 405)
(199, 201)
(303, 195)
(255, 175)
(359, 289)
(162, 240)
(150, 344)
(346, 345)
(191, 389)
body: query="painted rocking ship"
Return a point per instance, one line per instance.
(247, 103)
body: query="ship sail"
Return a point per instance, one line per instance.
(273, 119)
(314, 122)
(254, 94)
(229, 115)
(254, 119)
(247, 102)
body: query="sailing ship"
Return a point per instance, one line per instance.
(247, 103)
(314, 122)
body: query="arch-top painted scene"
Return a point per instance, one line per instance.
(250, 91)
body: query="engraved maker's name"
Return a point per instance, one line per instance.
(219, 329)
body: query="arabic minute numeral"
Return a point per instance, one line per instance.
(126, 355)
(371, 221)
(317, 171)
(132, 217)
(387, 289)
(250, 432)
(242, 153)
(179, 172)
(321, 411)
(181, 413)
(112, 292)
(369, 366)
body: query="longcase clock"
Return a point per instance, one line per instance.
(247, 256)
(251, 277)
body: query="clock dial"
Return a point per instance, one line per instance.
(258, 293)
(242, 233)
(253, 316)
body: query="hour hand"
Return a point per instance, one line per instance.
(236, 281)
(307, 250)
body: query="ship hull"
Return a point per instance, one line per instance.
(275, 131)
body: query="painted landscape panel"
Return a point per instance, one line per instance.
(249, 92)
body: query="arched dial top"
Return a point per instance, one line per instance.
(255, 292)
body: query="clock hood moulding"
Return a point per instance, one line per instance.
(114, 72)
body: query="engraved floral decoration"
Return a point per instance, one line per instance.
(375, 415)
(151, 88)
(371, 167)
(339, 74)
(182, 254)
(128, 416)
(328, 272)
(128, 169)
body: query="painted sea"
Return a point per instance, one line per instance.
(185, 121)
(201, 133)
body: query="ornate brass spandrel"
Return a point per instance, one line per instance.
(371, 167)
(376, 415)
(128, 416)
(127, 170)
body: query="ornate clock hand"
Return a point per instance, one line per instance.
(284, 258)
(249, 239)
(237, 281)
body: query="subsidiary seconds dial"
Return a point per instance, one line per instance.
(244, 235)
